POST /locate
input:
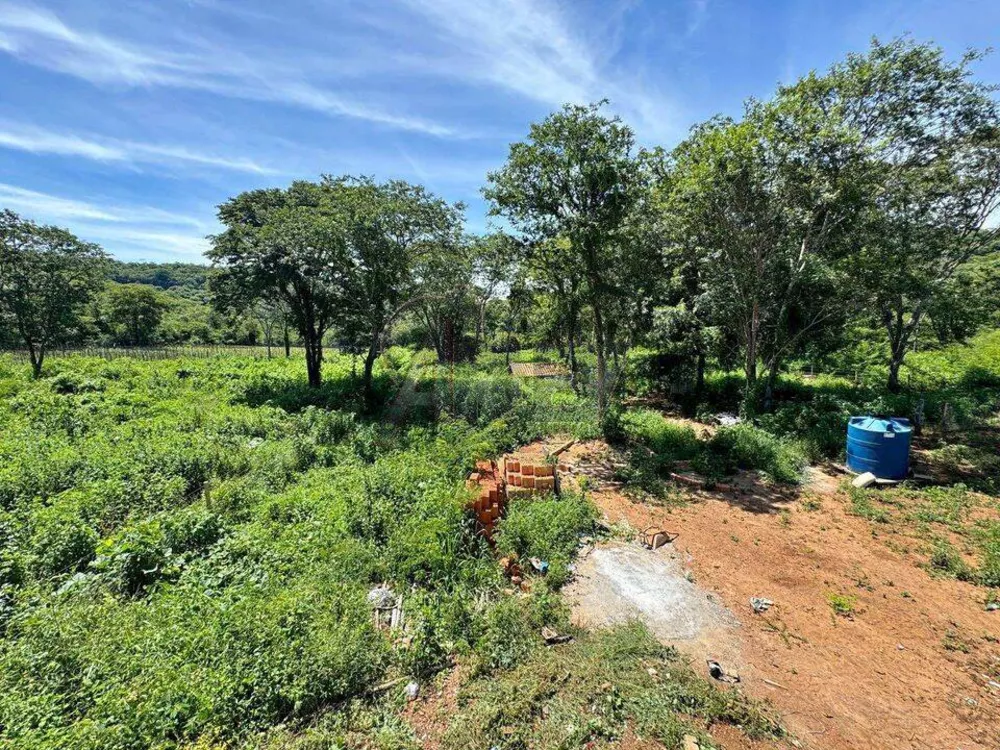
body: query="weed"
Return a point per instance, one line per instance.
(952, 641)
(844, 605)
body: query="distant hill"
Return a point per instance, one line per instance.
(162, 275)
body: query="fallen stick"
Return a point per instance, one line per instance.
(772, 683)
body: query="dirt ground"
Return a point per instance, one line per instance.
(911, 667)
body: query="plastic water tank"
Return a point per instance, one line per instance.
(879, 445)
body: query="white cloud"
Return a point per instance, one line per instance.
(43, 39)
(54, 208)
(38, 141)
(533, 48)
(134, 231)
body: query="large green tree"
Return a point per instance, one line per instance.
(47, 276)
(930, 136)
(133, 312)
(578, 177)
(291, 245)
(396, 233)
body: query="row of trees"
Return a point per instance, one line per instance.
(857, 197)
(859, 194)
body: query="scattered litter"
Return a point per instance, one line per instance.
(542, 566)
(726, 419)
(653, 537)
(772, 683)
(412, 690)
(760, 604)
(381, 597)
(717, 672)
(993, 683)
(864, 480)
(551, 637)
(651, 671)
(900, 647)
(992, 606)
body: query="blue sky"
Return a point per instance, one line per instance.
(128, 121)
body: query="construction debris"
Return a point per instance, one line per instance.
(381, 597)
(653, 537)
(717, 672)
(864, 480)
(551, 637)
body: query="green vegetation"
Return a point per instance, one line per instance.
(188, 546)
(844, 605)
(610, 685)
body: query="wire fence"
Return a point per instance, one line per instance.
(157, 352)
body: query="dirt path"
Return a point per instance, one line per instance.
(910, 668)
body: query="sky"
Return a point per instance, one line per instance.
(130, 121)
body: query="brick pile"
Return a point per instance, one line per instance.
(491, 502)
(497, 484)
(525, 478)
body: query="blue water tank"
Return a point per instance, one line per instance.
(881, 446)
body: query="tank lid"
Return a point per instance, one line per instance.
(882, 424)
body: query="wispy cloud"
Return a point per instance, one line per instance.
(136, 231)
(39, 141)
(532, 48)
(42, 38)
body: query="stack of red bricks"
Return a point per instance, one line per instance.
(490, 504)
(524, 478)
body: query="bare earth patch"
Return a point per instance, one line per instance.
(908, 665)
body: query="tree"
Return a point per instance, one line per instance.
(493, 258)
(134, 312)
(393, 230)
(757, 208)
(577, 177)
(288, 244)
(930, 135)
(47, 276)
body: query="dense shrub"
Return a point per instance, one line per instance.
(744, 446)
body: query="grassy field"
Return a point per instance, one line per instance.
(186, 547)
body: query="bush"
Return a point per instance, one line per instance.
(546, 528)
(744, 446)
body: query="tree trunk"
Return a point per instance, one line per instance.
(288, 343)
(507, 346)
(750, 362)
(602, 364)
(772, 376)
(894, 364)
(571, 346)
(314, 359)
(699, 377)
(37, 358)
(370, 358)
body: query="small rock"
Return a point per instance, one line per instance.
(651, 671)
(690, 743)
(412, 690)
